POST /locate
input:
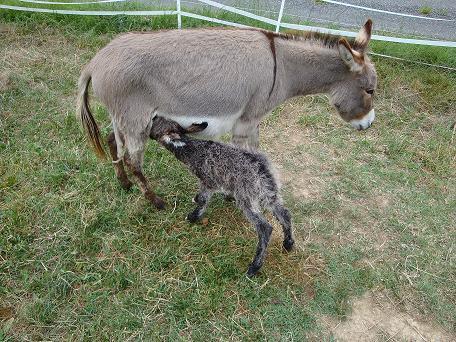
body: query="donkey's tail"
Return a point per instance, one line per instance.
(85, 116)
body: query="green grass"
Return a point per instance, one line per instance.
(82, 259)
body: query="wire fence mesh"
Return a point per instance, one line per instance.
(406, 18)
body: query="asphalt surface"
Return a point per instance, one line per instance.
(343, 17)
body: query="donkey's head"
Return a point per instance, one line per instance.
(165, 130)
(353, 96)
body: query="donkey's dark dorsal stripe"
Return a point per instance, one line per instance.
(271, 35)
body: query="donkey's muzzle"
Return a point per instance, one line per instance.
(365, 122)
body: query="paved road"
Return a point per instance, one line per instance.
(339, 16)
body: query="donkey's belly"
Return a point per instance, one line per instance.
(216, 126)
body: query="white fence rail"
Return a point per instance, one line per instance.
(370, 9)
(277, 23)
(70, 3)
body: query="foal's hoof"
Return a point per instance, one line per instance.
(288, 245)
(229, 198)
(252, 271)
(158, 203)
(192, 217)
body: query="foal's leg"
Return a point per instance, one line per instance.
(264, 230)
(134, 160)
(118, 163)
(201, 199)
(283, 216)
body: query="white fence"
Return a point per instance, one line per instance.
(180, 13)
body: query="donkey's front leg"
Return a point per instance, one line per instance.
(246, 133)
(134, 162)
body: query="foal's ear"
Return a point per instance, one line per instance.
(194, 128)
(353, 59)
(363, 37)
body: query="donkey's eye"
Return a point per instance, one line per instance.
(370, 91)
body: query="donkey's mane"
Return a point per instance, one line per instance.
(324, 39)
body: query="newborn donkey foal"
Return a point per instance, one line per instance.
(245, 175)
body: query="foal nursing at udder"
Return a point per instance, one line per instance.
(243, 174)
(226, 80)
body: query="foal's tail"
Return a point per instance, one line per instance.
(85, 116)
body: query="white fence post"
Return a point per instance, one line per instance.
(179, 16)
(279, 19)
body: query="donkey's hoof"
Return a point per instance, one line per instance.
(159, 203)
(125, 183)
(288, 245)
(252, 271)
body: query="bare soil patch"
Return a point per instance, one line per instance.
(4, 81)
(6, 313)
(288, 145)
(374, 317)
(306, 168)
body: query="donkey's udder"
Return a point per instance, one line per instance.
(216, 126)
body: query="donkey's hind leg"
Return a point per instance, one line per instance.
(118, 163)
(134, 159)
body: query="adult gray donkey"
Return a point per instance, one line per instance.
(229, 78)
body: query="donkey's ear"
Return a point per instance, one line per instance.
(194, 128)
(363, 37)
(353, 59)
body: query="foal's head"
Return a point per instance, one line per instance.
(353, 96)
(165, 130)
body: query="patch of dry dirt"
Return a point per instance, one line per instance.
(4, 81)
(287, 145)
(306, 167)
(4, 29)
(375, 318)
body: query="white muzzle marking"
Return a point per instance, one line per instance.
(175, 143)
(365, 122)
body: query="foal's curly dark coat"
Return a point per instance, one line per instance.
(245, 175)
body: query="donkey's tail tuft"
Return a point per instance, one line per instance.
(85, 116)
